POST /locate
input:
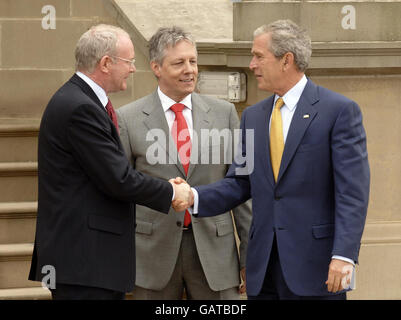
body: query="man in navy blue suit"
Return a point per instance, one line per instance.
(309, 199)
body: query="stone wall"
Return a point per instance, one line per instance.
(35, 59)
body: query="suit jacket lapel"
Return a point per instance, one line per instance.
(156, 120)
(201, 120)
(299, 124)
(264, 131)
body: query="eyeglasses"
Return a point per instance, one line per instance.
(131, 62)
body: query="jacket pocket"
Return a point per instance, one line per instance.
(105, 224)
(224, 228)
(144, 227)
(323, 231)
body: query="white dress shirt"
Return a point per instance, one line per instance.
(167, 102)
(290, 99)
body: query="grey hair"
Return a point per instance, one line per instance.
(95, 43)
(167, 38)
(286, 36)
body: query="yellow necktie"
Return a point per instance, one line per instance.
(276, 137)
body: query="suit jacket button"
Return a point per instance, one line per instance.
(179, 223)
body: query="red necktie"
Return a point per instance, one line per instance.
(112, 114)
(182, 140)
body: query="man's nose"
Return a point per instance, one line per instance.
(252, 64)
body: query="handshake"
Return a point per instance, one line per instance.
(183, 196)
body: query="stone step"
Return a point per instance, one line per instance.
(37, 293)
(15, 262)
(17, 222)
(18, 181)
(18, 139)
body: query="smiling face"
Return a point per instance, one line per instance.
(120, 69)
(178, 72)
(267, 68)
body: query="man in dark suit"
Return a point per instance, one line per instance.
(308, 176)
(87, 188)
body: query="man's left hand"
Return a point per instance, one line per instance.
(338, 269)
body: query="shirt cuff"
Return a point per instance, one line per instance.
(344, 259)
(194, 209)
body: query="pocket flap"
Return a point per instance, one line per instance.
(105, 224)
(224, 228)
(323, 231)
(144, 227)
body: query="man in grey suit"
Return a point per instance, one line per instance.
(200, 256)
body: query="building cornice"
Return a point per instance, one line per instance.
(379, 54)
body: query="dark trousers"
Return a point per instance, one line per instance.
(274, 285)
(74, 292)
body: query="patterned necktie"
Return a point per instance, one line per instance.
(112, 114)
(182, 139)
(276, 138)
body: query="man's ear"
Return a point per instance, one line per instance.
(288, 60)
(155, 68)
(104, 64)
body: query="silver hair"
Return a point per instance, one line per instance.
(167, 38)
(286, 36)
(95, 43)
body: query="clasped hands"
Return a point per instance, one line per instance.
(183, 196)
